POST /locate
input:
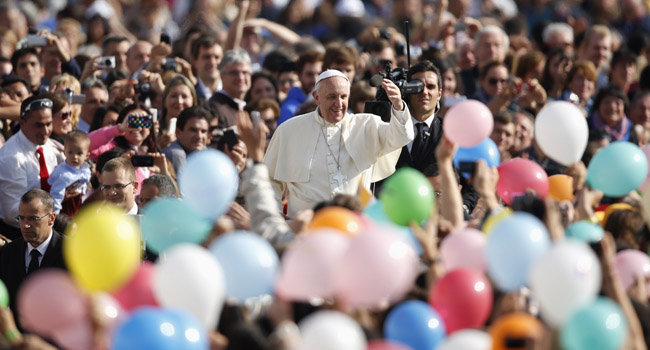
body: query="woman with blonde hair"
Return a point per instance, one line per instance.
(179, 94)
(67, 84)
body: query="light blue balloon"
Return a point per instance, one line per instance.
(416, 324)
(585, 231)
(160, 329)
(486, 150)
(249, 262)
(617, 169)
(513, 246)
(375, 211)
(599, 326)
(169, 221)
(208, 182)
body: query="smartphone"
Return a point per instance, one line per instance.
(467, 167)
(35, 40)
(255, 117)
(229, 138)
(172, 126)
(164, 38)
(139, 121)
(106, 62)
(141, 160)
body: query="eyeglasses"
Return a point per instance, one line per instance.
(41, 103)
(66, 115)
(31, 218)
(115, 187)
(235, 73)
(495, 81)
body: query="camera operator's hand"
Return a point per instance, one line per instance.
(254, 138)
(154, 79)
(186, 69)
(238, 155)
(393, 93)
(53, 42)
(532, 96)
(91, 68)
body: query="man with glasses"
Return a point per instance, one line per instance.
(26, 160)
(39, 247)
(119, 185)
(235, 70)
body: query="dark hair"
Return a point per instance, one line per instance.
(192, 112)
(58, 102)
(120, 163)
(623, 224)
(98, 118)
(112, 38)
(276, 60)
(30, 99)
(488, 66)
(426, 66)
(37, 193)
(76, 136)
(308, 57)
(203, 41)
(262, 75)
(151, 140)
(504, 118)
(339, 53)
(610, 90)
(12, 79)
(341, 200)
(445, 64)
(623, 56)
(164, 183)
(23, 52)
(103, 158)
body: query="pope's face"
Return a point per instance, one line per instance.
(332, 98)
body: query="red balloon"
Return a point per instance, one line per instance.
(463, 298)
(138, 292)
(518, 175)
(386, 345)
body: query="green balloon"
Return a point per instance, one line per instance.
(4, 295)
(407, 196)
(599, 326)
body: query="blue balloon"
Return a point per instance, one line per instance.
(513, 246)
(375, 211)
(249, 262)
(617, 169)
(599, 326)
(416, 324)
(486, 150)
(169, 221)
(585, 231)
(209, 182)
(160, 329)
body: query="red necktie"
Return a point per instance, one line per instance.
(44, 174)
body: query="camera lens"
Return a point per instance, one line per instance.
(107, 62)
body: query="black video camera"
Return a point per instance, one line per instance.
(142, 89)
(381, 105)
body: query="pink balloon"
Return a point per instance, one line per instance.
(386, 345)
(468, 123)
(518, 175)
(138, 291)
(50, 302)
(465, 248)
(109, 313)
(379, 267)
(632, 264)
(310, 265)
(77, 336)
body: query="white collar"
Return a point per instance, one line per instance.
(427, 121)
(133, 210)
(42, 248)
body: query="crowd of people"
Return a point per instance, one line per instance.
(320, 104)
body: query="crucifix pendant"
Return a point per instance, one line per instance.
(339, 177)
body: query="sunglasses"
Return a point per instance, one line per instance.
(495, 81)
(66, 115)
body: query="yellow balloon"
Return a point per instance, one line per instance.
(102, 247)
(494, 219)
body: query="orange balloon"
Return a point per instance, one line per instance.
(560, 187)
(338, 218)
(516, 327)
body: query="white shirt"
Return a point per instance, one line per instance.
(206, 91)
(42, 248)
(427, 121)
(20, 172)
(299, 159)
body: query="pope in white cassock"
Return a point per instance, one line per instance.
(319, 154)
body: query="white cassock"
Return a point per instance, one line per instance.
(306, 153)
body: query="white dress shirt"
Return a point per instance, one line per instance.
(427, 121)
(20, 172)
(42, 248)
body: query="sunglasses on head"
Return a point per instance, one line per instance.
(41, 103)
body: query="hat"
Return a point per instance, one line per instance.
(331, 73)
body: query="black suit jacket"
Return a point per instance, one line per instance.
(425, 162)
(12, 264)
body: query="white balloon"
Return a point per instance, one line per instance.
(188, 277)
(565, 279)
(331, 330)
(467, 339)
(561, 131)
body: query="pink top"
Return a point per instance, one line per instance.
(102, 140)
